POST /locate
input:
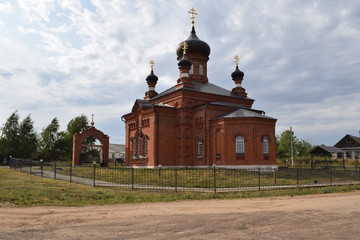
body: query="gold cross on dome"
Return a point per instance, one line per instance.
(152, 63)
(192, 11)
(92, 120)
(236, 60)
(185, 46)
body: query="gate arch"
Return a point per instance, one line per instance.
(91, 132)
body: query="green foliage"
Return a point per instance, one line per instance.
(57, 145)
(18, 140)
(27, 138)
(10, 136)
(77, 125)
(21, 140)
(301, 147)
(50, 141)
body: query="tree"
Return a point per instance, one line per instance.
(49, 140)
(75, 126)
(301, 147)
(284, 144)
(10, 136)
(27, 138)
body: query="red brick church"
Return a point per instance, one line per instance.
(196, 123)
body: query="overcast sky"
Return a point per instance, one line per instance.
(301, 59)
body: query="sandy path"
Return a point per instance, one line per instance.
(332, 216)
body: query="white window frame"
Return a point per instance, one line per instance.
(240, 145)
(200, 148)
(265, 143)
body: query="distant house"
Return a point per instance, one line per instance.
(116, 151)
(350, 145)
(328, 151)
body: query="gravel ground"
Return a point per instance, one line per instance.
(327, 216)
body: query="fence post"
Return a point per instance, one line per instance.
(94, 174)
(259, 180)
(41, 168)
(55, 170)
(297, 177)
(330, 175)
(30, 167)
(176, 172)
(21, 163)
(71, 172)
(132, 178)
(275, 177)
(214, 167)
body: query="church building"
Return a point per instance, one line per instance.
(196, 123)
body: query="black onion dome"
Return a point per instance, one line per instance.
(237, 73)
(195, 45)
(152, 77)
(184, 62)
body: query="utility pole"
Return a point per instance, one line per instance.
(291, 147)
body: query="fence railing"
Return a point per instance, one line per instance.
(190, 179)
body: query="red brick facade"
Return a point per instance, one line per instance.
(196, 123)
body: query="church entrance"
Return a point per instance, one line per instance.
(91, 146)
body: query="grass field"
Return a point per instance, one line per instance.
(23, 190)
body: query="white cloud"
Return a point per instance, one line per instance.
(36, 10)
(70, 57)
(6, 7)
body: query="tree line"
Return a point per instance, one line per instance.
(19, 139)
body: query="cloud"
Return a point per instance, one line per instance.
(6, 7)
(70, 57)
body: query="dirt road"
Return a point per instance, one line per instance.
(331, 216)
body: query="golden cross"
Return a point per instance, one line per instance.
(185, 46)
(236, 60)
(192, 11)
(152, 63)
(92, 120)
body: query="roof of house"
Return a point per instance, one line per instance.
(116, 148)
(348, 141)
(325, 150)
(204, 88)
(243, 113)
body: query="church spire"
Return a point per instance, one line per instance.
(238, 76)
(184, 68)
(151, 81)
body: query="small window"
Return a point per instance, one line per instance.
(240, 148)
(200, 145)
(265, 143)
(201, 70)
(191, 69)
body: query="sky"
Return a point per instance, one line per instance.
(64, 58)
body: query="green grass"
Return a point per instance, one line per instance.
(24, 190)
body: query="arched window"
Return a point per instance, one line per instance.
(191, 69)
(201, 70)
(265, 143)
(133, 143)
(240, 146)
(139, 146)
(145, 147)
(200, 145)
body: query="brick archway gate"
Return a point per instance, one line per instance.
(78, 139)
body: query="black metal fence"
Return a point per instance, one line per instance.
(190, 179)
